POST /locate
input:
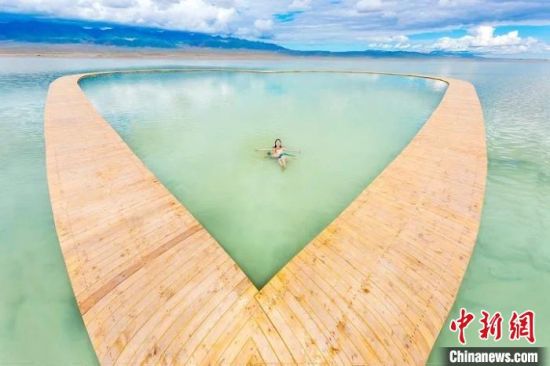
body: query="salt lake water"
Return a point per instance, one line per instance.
(198, 132)
(510, 268)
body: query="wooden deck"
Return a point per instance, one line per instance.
(374, 287)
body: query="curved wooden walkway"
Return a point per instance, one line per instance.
(374, 287)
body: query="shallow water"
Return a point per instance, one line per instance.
(510, 268)
(198, 131)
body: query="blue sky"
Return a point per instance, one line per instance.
(508, 28)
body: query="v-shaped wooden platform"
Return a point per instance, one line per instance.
(374, 287)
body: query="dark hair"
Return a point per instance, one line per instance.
(275, 143)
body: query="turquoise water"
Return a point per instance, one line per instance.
(198, 131)
(510, 268)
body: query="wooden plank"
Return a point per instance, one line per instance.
(374, 287)
(405, 241)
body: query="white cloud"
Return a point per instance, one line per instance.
(197, 15)
(263, 28)
(389, 46)
(118, 3)
(300, 5)
(456, 3)
(399, 38)
(393, 42)
(263, 25)
(482, 39)
(364, 6)
(336, 25)
(194, 15)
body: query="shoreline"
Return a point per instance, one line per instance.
(73, 51)
(10, 49)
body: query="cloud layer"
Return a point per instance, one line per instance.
(386, 24)
(482, 39)
(194, 15)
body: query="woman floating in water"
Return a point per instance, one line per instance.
(279, 152)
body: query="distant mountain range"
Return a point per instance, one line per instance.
(39, 29)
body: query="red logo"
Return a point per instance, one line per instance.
(461, 324)
(491, 326)
(520, 326)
